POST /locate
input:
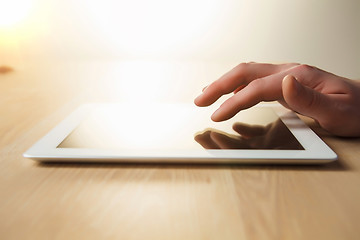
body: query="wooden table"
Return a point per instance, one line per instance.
(153, 201)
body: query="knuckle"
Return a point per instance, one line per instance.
(243, 64)
(305, 68)
(220, 86)
(257, 85)
(291, 65)
(242, 67)
(217, 85)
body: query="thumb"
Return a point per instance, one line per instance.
(305, 100)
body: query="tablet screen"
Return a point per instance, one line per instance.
(179, 128)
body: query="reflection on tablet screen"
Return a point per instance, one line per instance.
(176, 128)
(272, 136)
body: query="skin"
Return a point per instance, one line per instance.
(332, 101)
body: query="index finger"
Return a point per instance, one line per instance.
(239, 76)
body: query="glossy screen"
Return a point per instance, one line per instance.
(178, 127)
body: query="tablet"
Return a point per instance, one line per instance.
(180, 133)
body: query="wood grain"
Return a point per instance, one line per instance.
(153, 201)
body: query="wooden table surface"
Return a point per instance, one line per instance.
(154, 201)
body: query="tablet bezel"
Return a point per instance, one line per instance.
(315, 150)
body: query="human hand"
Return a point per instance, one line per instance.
(272, 136)
(333, 101)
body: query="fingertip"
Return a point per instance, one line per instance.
(216, 116)
(289, 82)
(294, 95)
(289, 77)
(303, 99)
(290, 87)
(221, 114)
(199, 101)
(196, 101)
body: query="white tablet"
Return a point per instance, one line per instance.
(180, 133)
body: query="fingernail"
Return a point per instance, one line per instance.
(199, 96)
(197, 99)
(295, 83)
(215, 115)
(291, 77)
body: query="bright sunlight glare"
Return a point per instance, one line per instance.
(141, 26)
(143, 81)
(13, 11)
